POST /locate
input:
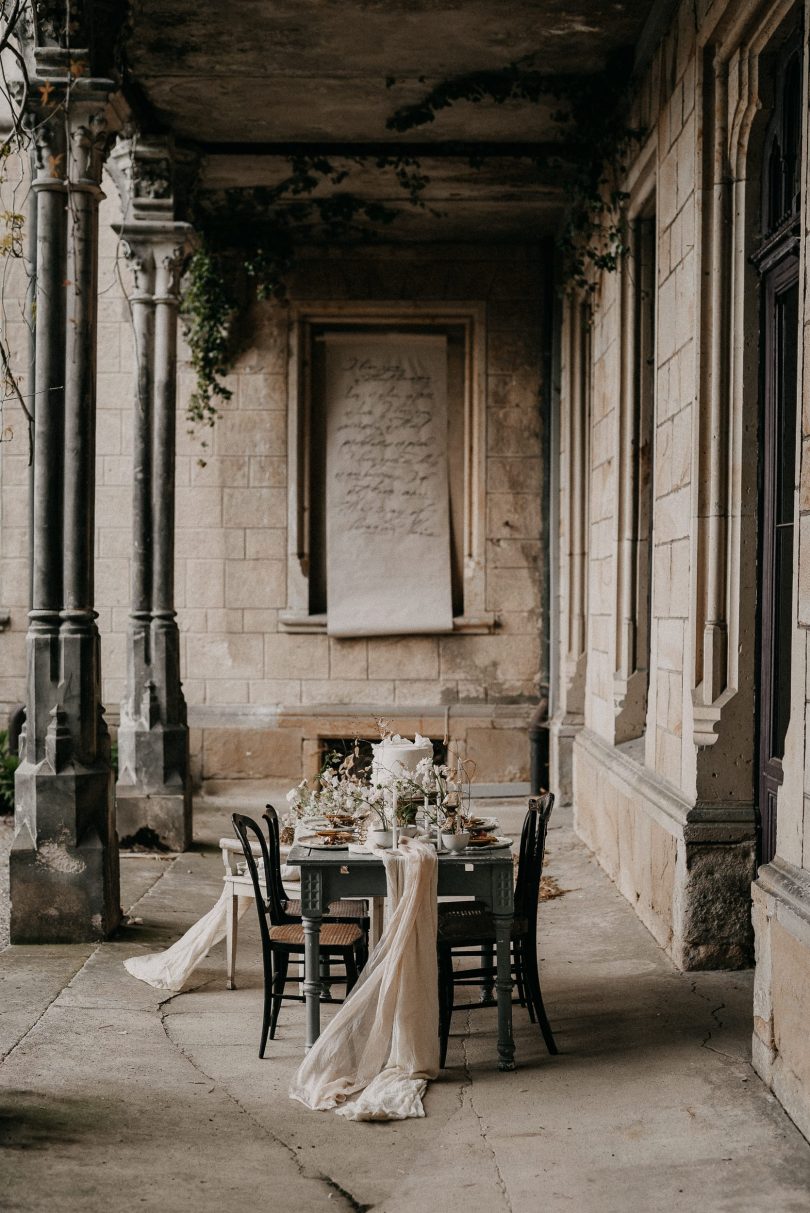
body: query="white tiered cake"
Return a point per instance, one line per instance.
(396, 756)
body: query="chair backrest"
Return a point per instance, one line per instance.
(244, 827)
(270, 899)
(277, 897)
(530, 861)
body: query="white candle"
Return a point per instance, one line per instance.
(394, 825)
(438, 821)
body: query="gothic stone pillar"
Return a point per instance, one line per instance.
(153, 794)
(64, 858)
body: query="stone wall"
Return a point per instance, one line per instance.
(650, 808)
(240, 670)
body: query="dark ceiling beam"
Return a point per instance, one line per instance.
(422, 150)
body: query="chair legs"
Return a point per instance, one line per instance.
(520, 985)
(532, 979)
(527, 982)
(351, 962)
(268, 1006)
(275, 979)
(279, 980)
(445, 1001)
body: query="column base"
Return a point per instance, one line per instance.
(562, 731)
(153, 793)
(160, 820)
(63, 875)
(686, 869)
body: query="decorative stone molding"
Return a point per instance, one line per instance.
(143, 170)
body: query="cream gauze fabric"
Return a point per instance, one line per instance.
(384, 1040)
(169, 970)
(387, 495)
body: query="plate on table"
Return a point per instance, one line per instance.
(482, 823)
(317, 842)
(489, 844)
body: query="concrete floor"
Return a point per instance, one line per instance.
(114, 1097)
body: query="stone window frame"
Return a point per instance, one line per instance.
(734, 119)
(303, 319)
(637, 411)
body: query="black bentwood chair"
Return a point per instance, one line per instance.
(282, 934)
(347, 909)
(469, 930)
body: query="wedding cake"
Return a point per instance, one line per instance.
(396, 756)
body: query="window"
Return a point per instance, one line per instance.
(777, 260)
(636, 446)
(313, 328)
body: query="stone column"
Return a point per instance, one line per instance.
(64, 858)
(153, 794)
(569, 711)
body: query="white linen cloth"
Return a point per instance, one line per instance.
(384, 1039)
(171, 969)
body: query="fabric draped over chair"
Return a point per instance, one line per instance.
(384, 1040)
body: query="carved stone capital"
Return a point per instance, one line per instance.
(50, 151)
(87, 141)
(142, 168)
(157, 253)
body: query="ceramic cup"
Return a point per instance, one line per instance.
(456, 842)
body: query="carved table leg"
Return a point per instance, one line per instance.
(503, 912)
(312, 979)
(503, 985)
(311, 914)
(487, 988)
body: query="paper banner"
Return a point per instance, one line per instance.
(387, 503)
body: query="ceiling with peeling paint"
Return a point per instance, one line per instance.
(249, 79)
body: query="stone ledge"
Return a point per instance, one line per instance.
(208, 716)
(789, 887)
(676, 813)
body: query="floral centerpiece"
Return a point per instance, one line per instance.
(405, 781)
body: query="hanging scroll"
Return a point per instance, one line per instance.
(387, 503)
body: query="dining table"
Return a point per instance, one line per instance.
(329, 874)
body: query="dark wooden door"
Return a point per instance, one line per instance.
(780, 362)
(777, 260)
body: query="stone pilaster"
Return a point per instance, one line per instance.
(153, 794)
(64, 858)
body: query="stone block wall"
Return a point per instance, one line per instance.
(231, 517)
(640, 804)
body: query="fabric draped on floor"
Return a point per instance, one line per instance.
(384, 1040)
(170, 970)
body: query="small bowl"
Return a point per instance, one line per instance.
(381, 838)
(456, 842)
(409, 831)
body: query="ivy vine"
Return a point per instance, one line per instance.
(591, 117)
(247, 240)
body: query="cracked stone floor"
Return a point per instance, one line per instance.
(114, 1097)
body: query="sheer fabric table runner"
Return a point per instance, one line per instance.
(329, 875)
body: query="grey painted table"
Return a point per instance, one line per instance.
(329, 875)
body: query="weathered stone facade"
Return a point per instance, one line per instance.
(659, 755)
(259, 697)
